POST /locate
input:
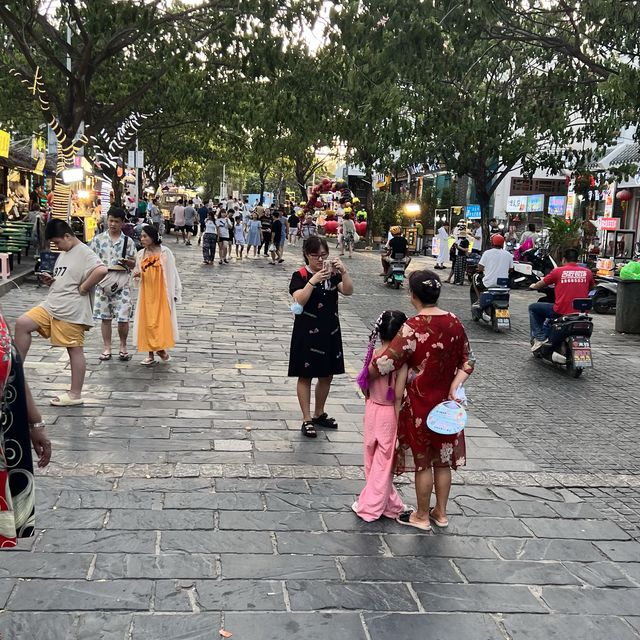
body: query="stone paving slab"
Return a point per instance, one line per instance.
(183, 499)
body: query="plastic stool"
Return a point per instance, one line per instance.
(5, 271)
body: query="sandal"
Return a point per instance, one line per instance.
(439, 523)
(325, 422)
(165, 358)
(104, 357)
(405, 519)
(148, 362)
(65, 400)
(308, 429)
(124, 356)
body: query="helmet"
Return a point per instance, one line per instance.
(497, 240)
(395, 231)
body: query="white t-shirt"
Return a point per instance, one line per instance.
(223, 228)
(210, 226)
(64, 301)
(477, 239)
(496, 263)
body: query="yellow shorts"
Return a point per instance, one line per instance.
(62, 333)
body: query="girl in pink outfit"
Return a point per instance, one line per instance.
(384, 395)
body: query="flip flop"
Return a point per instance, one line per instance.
(405, 519)
(125, 356)
(65, 400)
(104, 357)
(165, 358)
(148, 362)
(443, 524)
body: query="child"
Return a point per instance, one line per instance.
(384, 397)
(238, 237)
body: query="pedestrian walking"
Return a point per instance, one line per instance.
(316, 340)
(223, 226)
(239, 237)
(284, 232)
(190, 227)
(179, 221)
(276, 237)
(209, 239)
(155, 215)
(294, 223)
(382, 407)
(349, 234)
(307, 228)
(203, 214)
(265, 222)
(113, 300)
(443, 239)
(22, 428)
(254, 234)
(434, 345)
(156, 321)
(460, 250)
(65, 315)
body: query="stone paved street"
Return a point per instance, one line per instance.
(183, 500)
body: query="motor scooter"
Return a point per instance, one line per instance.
(395, 272)
(493, 306)
(605, 295)
(535, 264)
(569, 343)
(473, 259)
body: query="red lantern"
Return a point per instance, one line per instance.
(624, 196)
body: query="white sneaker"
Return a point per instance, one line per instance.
(354, 507)
(538, 344)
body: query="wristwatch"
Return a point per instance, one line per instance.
(37, 425)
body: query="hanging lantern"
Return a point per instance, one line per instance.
(624, 196)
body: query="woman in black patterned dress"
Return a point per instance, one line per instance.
(316, 341)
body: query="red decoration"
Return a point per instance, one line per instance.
(331, 227)
(624, 196)
(361, 228)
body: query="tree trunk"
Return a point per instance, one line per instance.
(301, 179)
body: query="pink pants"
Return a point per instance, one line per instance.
(379, 497)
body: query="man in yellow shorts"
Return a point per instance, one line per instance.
(66, 313)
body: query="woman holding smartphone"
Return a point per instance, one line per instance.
(316, 341)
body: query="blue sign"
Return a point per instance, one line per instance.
(473, 212)
(557, 205)
(535, 204)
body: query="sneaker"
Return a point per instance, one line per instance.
(538, 344)
(354, 507)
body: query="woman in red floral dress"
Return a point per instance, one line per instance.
(435, 346)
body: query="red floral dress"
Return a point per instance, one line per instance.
(435, 348)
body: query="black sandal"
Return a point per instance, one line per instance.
(308, 429)
(325, 422)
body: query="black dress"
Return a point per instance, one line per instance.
(316, 341)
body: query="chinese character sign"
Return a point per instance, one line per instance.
(473, 212)
(517, 204)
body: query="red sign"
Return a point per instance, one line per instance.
(609, 224)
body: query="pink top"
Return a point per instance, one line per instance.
(379, 389)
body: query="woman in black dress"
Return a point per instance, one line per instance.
(316, 341)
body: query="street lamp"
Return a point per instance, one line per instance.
(69, 176)
(412, 209)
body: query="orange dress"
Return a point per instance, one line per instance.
(155, 329)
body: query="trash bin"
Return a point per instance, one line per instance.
(628, 306)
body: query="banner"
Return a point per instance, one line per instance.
(516, 204)
(535, 204)
(571, 205)
(608, 201)
(473, 212)
(608, 224)
(5, 141)
(557, 205)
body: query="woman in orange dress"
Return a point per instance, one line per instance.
(156, 323)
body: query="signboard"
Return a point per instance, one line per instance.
(5, 141)
(605, 266)
(608, 224)
(535, 204)
(571, 205)
(557, 205)
(608, 201)
(39, 169)
(131, 161)
(517, 204)
(473, 212)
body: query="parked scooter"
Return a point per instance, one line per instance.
(493, 306)
(569, 339)
(605, 295)
(396, 272)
